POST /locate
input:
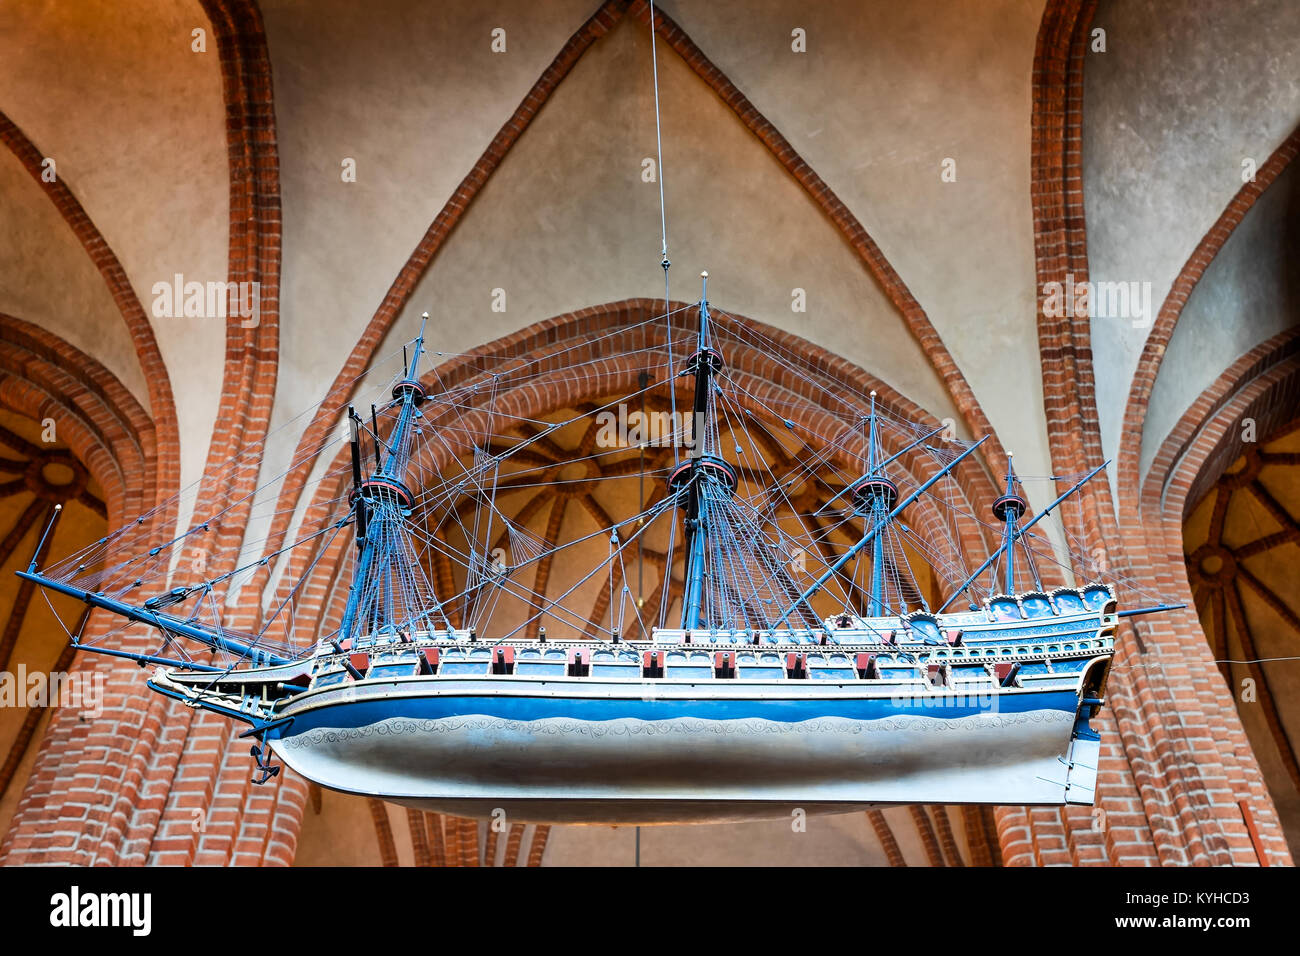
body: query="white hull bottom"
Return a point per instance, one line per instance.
(682, 770)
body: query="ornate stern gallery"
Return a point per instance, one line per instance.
(589, 438)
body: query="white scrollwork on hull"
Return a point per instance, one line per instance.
(631, 727)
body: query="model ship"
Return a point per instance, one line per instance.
(786, 674)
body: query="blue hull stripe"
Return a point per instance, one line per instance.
(363, 713)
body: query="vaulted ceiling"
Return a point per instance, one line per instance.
(367, 163)
(1243, 549)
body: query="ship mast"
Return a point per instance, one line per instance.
(1013, 534)
(876, 496)
(1009, 509)
(386, 573)
(703, 475)
(870, 537)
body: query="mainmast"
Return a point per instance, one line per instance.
(873, 496)
(703, 474)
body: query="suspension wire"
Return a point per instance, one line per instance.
(664, 261)
(654, 65)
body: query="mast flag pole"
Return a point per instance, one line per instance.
(1009, 508)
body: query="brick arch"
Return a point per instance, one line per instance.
(1221, 599)
(43, 376)
(1151, 509)
(1051, 835)
(1159, 809)
(1205, 442)
(252, 354)
(124, 828)
(316, 435)
(106, 428)
(1263, 385)
(1153, 352)
(202, 755)
(1060, 249)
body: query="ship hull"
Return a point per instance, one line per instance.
(619, 752)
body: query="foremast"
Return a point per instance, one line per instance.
(390, 593)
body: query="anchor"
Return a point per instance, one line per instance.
(268, 770)
(263, 757)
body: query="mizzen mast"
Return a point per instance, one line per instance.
(1009, 509)
(874, 533)
(1014, 532)
(872, 497)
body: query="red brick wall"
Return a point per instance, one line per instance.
(62, 813)
(133, 315)
(1263, 385)
(205, 767)
(1175, 760)
(126, 790)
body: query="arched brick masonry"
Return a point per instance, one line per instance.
(1060, 250)
(1166, 781)
(1263, 385)
(202, 766)
(161, 477)
(316, 435)
(143, 804)
(1172, 711)
(60, 818)
(1062, 835)
(1162, 329)
(162, 405)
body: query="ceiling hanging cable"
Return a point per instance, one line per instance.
(659, 144)
(664, 261)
